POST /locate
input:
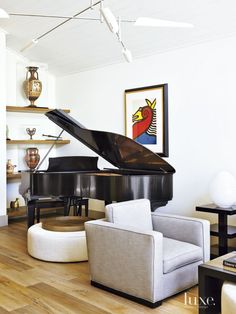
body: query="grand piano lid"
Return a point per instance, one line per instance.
(119, 150)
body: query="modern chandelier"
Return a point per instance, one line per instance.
(3, 14)
(105, 15)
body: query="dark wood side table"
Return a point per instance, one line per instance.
(211, 277)
(221, 230)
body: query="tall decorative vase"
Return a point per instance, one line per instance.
(32, 157)
(32, 85)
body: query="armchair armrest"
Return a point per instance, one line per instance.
(187, 229)
(126, 259)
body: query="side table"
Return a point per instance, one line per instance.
(222, 230)
(211, 277)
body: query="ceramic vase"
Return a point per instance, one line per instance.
(32, 157)
(32, 85)
(223, 189)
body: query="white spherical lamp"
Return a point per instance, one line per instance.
(223, 189)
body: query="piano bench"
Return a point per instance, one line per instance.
(37, 205)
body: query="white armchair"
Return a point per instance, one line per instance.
(145, 256)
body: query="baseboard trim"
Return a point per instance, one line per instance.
(3, 220)
(127, 296)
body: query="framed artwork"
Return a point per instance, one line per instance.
(146, 117)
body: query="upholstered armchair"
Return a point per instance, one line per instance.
(145, 256)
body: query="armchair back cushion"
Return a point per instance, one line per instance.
(135, 213)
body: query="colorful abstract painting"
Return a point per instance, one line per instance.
(144, 130)
(147, 117)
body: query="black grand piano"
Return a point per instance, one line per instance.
(139, 172)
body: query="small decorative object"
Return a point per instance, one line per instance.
(32, 85)
(7, 133)
(10, 167)
(31, 132)
(32, 157)
(146, 117)
(15, 204)
(223, 189)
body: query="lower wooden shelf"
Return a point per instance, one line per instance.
(16, 212)
(21, 212)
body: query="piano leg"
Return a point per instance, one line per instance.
(67, 204)
(31, 213)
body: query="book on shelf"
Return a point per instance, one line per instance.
(231, 261)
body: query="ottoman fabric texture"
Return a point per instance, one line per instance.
(56, 246)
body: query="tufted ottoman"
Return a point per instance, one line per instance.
(56, 246)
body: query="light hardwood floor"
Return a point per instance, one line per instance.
(30, 286)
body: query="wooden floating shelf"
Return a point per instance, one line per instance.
(31, 109)
(21, 212)
(59, 142)
(13, 176)
(17, 212)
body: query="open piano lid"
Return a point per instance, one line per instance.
(119, 150)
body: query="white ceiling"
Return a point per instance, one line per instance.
(80, 45)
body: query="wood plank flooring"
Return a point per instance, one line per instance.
(30, 286)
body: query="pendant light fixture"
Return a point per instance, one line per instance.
(114, 26)
(3, 14)
(113, 23)
(110, 20)
(127, 55)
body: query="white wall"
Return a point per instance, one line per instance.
(202, 111)
(3, 217)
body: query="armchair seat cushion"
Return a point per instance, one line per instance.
(177, 254)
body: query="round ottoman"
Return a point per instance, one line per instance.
(56, 246)
(228, 298)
